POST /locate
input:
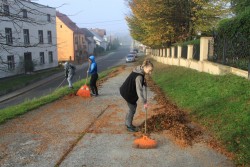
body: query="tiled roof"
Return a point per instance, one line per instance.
(100, 32)
(69, 23)
(97, 35)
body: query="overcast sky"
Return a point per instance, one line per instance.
(104, 14)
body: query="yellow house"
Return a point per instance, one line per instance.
(70, 39)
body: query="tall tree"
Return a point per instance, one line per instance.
(240, 5)
(168, 21)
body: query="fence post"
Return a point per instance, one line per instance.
(172, 52)
(164, 52)
(204, 48)
(190, 52)
(179, 52)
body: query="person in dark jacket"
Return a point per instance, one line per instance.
(132, 90)
(69, 73)
(94, 75)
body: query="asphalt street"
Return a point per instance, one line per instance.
(104, 62)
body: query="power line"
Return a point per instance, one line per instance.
(102, 22)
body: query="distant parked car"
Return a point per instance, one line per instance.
(130, 58)
(134, 53)
(135, 50)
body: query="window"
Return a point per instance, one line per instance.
(40, 36)
(26, 36)
(11, 62)
(48, 18)
(42, 58)
(6, 10)
(50, 57)
(25, 13)
(49, 37)
(8, 35)
(76, 40)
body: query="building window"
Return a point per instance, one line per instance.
(42, 58)
(11, 62)
(6, 10)
(26, 36)
(76, 40)
(48, 18)
(40, 36)
(61, 26)
(50, 57)
(8, 36)
(25, 13)
(49, 37)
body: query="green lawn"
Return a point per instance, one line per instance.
(220, 103)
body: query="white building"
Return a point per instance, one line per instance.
(27, 37)
(100, 41)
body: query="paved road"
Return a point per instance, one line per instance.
(104, 62)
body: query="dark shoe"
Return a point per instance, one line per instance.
(131, 126)
(93, 94)
(131, 129)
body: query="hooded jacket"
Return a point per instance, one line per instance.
(93, 65)
(69, 69)
(132, 88)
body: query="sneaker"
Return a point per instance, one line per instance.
(131, 126)
(93, 94)
(131, 129)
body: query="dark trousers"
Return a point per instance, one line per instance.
(93, 86)
(130, 114)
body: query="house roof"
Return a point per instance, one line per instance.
(86, 32)
(97, 35)
(69, 23)
(100, 32)
(37, 4)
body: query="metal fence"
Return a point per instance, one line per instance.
(175, 51)
(234, 51)
(196, 52)
(184, 51)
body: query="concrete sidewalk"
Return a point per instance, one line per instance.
(76, 132)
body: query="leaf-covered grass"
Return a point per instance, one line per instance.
(220, 103)
(13, 111)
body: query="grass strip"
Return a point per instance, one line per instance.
(14, 111)
(220, 103)
(7, 85)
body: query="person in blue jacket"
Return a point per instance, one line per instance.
(94, 75)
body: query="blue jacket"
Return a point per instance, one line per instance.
(93, 65)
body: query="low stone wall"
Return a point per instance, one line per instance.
(163, 56)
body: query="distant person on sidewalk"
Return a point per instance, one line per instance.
(132, 90)
(69, 73)
(94, 75)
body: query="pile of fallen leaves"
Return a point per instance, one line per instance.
(169, 117)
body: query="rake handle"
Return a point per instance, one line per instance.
(87, 75)
(146, 110)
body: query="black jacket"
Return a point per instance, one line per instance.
(128, 89)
